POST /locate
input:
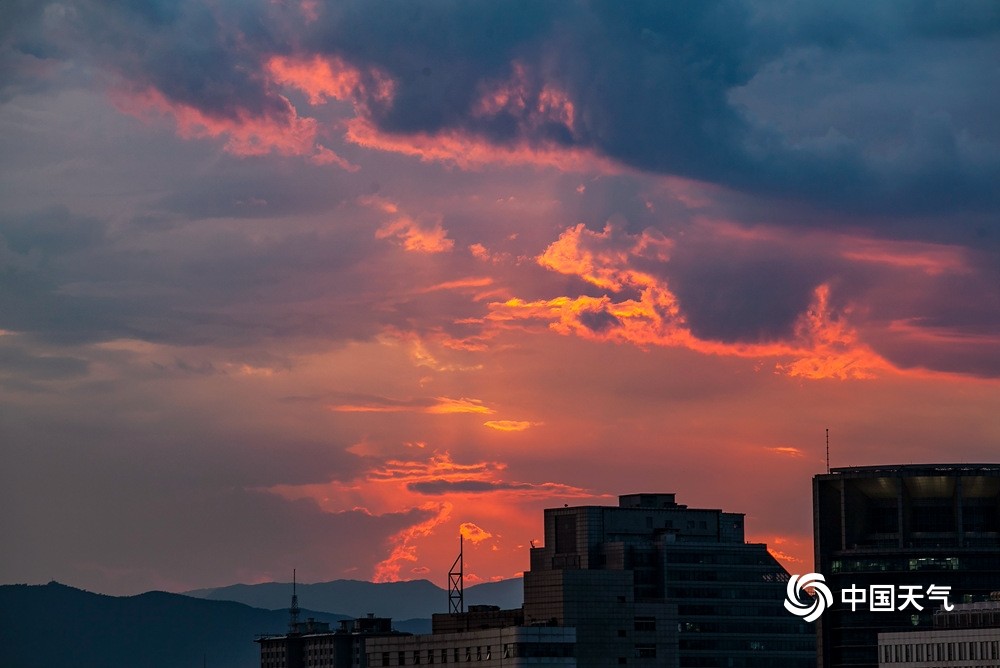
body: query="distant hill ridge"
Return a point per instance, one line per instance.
(43, 626)
(356, 598)
(53, 625)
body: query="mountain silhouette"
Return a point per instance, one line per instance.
(410, 599)
(53, 625)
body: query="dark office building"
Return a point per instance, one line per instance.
(909, 527)
(312, 644)
(654, 583)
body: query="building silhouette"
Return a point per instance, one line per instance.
(904, 526)
(651, 582)
(648, 582)
(312, 644)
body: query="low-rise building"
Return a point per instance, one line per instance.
(968, 636)
(311, 644)
(509, 646)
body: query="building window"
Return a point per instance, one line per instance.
(416, 656)
(401, 658)
(645, 651)
(385, 658)
(645, 623)
(565, 534)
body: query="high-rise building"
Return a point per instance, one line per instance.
(651, 582)
(901, 529)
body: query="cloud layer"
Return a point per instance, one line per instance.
(322, 285)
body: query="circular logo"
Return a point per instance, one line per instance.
(810, 611)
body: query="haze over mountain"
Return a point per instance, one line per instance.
(53, 625)
(399, 600)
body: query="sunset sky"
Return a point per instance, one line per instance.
(294, 284)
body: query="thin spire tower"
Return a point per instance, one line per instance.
(293, 612)
(827, 449)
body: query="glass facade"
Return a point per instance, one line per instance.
(908, 527)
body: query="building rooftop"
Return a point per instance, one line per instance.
(913, 469)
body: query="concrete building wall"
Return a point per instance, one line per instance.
(945, 648)
(508, 647)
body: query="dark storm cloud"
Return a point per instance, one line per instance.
(203, 55)
(652, 86)
(676, 88)
(19, 361)
(64, 280)
(50, 232)
(747, 299)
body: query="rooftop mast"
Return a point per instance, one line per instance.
(293, 612)
(456, 584)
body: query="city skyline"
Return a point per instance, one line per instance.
(324, 285)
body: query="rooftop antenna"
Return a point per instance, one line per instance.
(827, 449)
(456, 584)
(293, 612)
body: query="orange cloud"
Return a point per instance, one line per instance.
(460, 284)
(832, 349)
(441, 406)
(824, 344)
(467, 151)
(931, 259)
(794, 553)
(438, 466)
(463, 405)
(914, 330)
(510, 425)
(520, 97)
(473, 533)
(786, 451)
(440, 474)
(415, 237)
(245, 134)
(403, 549)
(322, 77)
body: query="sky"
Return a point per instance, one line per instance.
(296, 284)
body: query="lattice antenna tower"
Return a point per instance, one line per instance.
(456, 583)
(293, 612)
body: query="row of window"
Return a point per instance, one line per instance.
(736, 645)
(760, 593)
(480, 653)
(743, 558)
(973, 650)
